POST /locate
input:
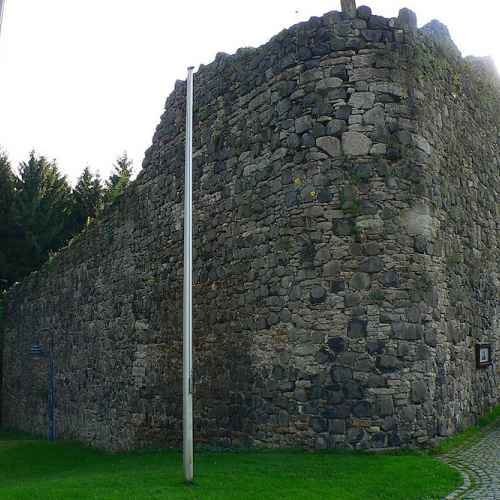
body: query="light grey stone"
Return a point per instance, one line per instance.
(362, 100)
(330, 145)
(355, 144)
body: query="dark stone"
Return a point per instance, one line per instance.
(393, 153)
(387, 362)
(303, 124)
(357, 328)
(377, 23)
(293, 141)
(301, 395)
(431, 338)
(337, 43)
(364, 364)
(418, 391)
(409, 413)
(407, 331)
(355, 436)
(319, 424)
(337, 344)
(340, 374)
(364, 12)
(318, 295)
(351, 299)
(343, 228)
(407, 19)
(343, 112)
(391, 279)
(339, 71)
(308, 140)
(348, 8)
(324, 357)
(324, 196)
(318, 130)
(414, 314)
(273, 319)
(394, 440)
(336, 94)
(360, 281)
(336, 127)
(330, 413)
(372, 249)
(372, 35)
(343, 411)
(337, 426)
(421, 244)
(372, 265)
(279, 372)
(335, 397)
(375, 346)
(375, 380)
(291, 199)
(378, 440)
(362, 409)
(358, 311)
(352, 390)
(441, 35)
(338, 286)
(283, 418)
(363, 173)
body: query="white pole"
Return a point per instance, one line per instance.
(187, 350)
(2, 3)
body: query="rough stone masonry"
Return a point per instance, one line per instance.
(346, 262)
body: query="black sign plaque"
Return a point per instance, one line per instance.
(483, 355)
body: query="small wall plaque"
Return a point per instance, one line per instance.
(483, 355)
(36, 350)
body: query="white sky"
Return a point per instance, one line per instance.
(83, 80)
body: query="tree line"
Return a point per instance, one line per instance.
(40, 211)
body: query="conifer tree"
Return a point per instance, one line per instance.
(119, 179)
(87, 199)
(42, 207)
(8, 272)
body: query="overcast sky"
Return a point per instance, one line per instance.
(83, 80)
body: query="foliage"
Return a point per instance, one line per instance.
(43, 207)
(40, 213)
(42, 470)
(7, 226)
(87, 199)
(119, 179)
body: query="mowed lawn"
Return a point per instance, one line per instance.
(36, 469)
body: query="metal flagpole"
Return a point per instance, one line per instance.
(2, 3)
(187, 351)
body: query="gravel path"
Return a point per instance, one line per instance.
(480, 466)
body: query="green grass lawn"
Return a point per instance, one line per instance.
(35, 469)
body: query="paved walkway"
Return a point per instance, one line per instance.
(480, 466)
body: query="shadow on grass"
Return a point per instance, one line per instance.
(38, 469)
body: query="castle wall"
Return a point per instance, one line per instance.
(458, 110)
(324, 259)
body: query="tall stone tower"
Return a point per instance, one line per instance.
(346, 255)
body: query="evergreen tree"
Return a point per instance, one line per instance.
(119, 179)
(87, 199)
(8, 272)
(43, 207)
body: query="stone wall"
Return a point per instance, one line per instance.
(345, 256)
